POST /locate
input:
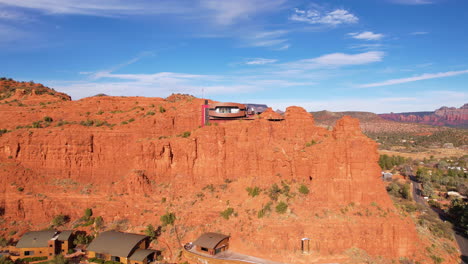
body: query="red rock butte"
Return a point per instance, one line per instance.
(133, 159)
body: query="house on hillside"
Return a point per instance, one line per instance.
(212, 243)
(122, 247)
(46, 243)
(387, 176)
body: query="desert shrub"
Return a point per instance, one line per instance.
(20, 189)
(100, 112)
(59, 259)
(131, 120)
(162, 109)
(3, 131)
(48, 119)
(88, 213)
(281, 207)
(87, 123)
(253, 191)
(96, 260)
(37, 124)
(227, 213)
(3, 242)
(60, 220)
(437, 259)
(150, 113)
(303, 189)
(311, 143)
(186, 134)
(168, 219)
(266, 209)
(274, 192)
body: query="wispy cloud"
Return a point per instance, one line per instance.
(367, 46)
(425, 76)
(330, 18)
(10, 15)
(334, 60)
(412, 2)
(366, 35)
(228, 12)
(275, 39)
(260, 61)
(219, 12)
(9, 34)
(104, 73)
(419, 33)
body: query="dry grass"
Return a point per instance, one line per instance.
(437, 153)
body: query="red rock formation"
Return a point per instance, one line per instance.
(139, 170)
(444, 116)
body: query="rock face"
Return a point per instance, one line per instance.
(134, 171)
(444, 116)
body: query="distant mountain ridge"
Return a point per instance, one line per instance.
(444, 116)
(370, 122)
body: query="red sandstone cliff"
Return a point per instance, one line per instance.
(139, 165)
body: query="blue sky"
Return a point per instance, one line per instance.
(360, 55)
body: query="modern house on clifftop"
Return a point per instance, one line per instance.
(212, 243)
(46, 243)
(121, 247)
(222, 112)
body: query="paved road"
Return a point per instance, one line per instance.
(461, 240)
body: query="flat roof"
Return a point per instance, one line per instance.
(35, 239)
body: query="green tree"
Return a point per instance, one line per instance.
(6, 260)
(150, 231)
(459, 211)
(82, 239)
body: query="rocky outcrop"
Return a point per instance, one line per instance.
(444, 116)
(138, 170)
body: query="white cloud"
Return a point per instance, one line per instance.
(425, 102)
(331, 18)
(366, 35)
(260, 61)
(425, 76)
(338, 60)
